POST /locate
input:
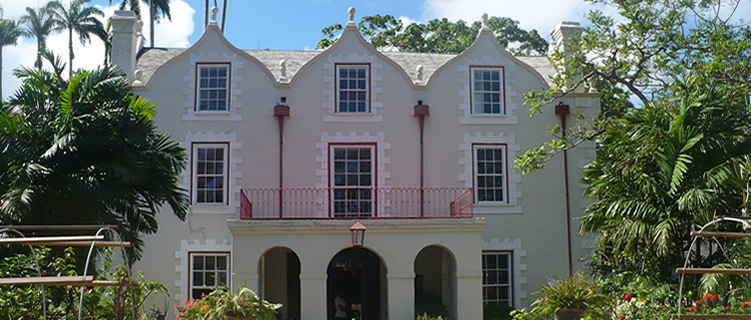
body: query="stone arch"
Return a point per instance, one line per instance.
(435, 281)
(279, 280)
(358, 276)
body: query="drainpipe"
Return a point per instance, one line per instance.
(281, 110)
(422, 110)
(562, 110)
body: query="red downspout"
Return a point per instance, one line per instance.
(280, 111)
(422, 110)
(562, 110)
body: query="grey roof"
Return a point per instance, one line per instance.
(151, 59)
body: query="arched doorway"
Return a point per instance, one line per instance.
(358, 276)
(435, 282)
(280, 281)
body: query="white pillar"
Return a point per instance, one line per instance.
(401, 295)
(469, 294)
(313, 296)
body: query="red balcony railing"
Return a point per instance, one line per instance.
(361, 203)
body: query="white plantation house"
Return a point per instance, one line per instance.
(289, 149)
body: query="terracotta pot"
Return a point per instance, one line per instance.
(569, 314)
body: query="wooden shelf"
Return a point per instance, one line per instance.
(87, 244)
(712, 316)
(710, 270)
(71, 227)
(45, 240)
(720, 234)
(49, 281)
(64, 281)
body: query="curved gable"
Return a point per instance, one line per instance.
(212, 32)
(351, 34)
(486, 36)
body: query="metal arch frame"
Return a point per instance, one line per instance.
(36, 262)
(693, 242)
(86, 268)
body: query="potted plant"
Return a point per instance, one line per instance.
(568, 299)
(222, 304)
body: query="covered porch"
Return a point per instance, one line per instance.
(405, 266)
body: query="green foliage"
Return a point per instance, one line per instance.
(664, 168)
(78, 18)
(85, 151)
(25, 301)
(575, 291)
(425, 316)
(642, 55)
(222, 303)
(439, 36)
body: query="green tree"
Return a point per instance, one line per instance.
(665, 168)
(39, 24)
(676, 159)
(159, 9)
(10, 31)
(78, 18)
(85, 151)
(440, 36)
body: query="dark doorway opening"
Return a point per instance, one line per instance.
(280, 281)
(358, 276)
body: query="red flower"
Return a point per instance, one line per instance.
(690, 309)
(727, 307)
(621, 317)
(627, 298)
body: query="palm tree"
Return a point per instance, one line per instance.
(39, 24)
(86, 151)
(10, 31)
(79, 18)
(662, 169)
(157, 6)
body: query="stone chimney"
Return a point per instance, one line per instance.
(560, 41)
(125, 43)
(562, 32)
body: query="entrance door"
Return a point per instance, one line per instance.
(357, 276)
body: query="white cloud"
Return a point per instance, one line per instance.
(542, 15)
(407, 20)
(168, 34)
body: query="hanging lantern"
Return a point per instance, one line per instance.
(358, 234)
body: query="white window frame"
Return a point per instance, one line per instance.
(225, 89)
(334, 187)
(486, 274)
(192, 271)
(338, 91)
(225, 173)
(475, 108)
(476, 172)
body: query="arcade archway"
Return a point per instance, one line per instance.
(358, 276)
(435, 282)
(280, 280)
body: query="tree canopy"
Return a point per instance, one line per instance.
(439, 35)
(85, 151)
(676, 158)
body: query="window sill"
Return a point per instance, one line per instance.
(211, 209)
(353, 118)
(484, 119)
(212, 116)
(488, 208)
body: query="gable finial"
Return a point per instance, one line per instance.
(351, 12)
(485, 20)
(214, 12)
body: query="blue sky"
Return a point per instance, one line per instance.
(293, 25)
(283, 24)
